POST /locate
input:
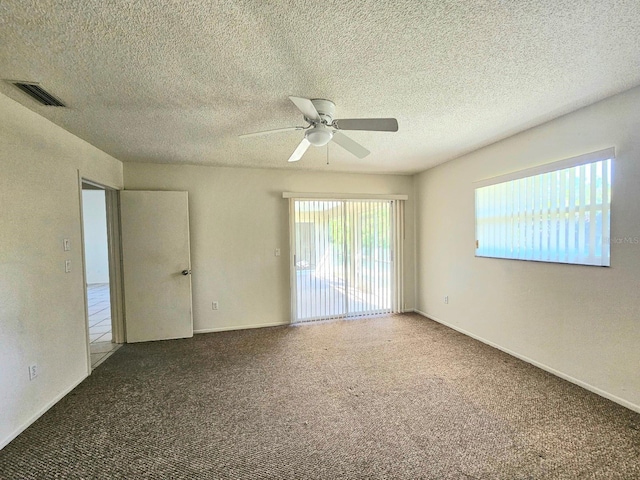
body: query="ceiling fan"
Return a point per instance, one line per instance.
(322, 128)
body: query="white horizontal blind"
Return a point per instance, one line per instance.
(343, 258)
(556, 216)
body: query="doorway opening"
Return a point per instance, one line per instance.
(99, 288)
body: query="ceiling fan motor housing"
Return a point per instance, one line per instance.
(320, 134)
(326, 109)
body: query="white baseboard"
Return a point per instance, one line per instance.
(4, 442)
(241, 327)
(557, 373)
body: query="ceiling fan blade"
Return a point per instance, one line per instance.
(350, 145)
(269, 132)
(372, 124)
(307, 108)
(299, 151)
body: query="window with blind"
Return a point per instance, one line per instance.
(558, 212)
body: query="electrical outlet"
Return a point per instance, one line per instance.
(66, 244)
(214, 306)
(33, 371)
(67, 266)
(277, 252)
(446, 299)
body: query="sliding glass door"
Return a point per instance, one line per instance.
(342, 258)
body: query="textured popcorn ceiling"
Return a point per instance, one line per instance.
(177, 82)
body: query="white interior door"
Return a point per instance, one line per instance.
(156, 265)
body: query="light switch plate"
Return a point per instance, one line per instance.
(67, 244)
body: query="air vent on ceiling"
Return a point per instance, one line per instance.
(39, 94)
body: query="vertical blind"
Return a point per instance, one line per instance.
(344, 258)
(558, 215)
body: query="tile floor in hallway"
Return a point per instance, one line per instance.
(100, 338)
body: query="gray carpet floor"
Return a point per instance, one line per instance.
(391, 397)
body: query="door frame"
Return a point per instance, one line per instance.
(116, 290)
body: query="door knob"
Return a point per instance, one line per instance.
(186, 272)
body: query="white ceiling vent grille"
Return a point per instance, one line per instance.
(39, 94)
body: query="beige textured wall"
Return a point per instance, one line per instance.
(581, 322)
(238, 217)
(42, 317)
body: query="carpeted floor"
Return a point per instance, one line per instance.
(393, 397)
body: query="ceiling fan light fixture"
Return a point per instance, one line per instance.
(319, 135)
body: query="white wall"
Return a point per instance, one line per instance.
(96, 249)
(42, 316)
(582, 322)
(238, 217)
